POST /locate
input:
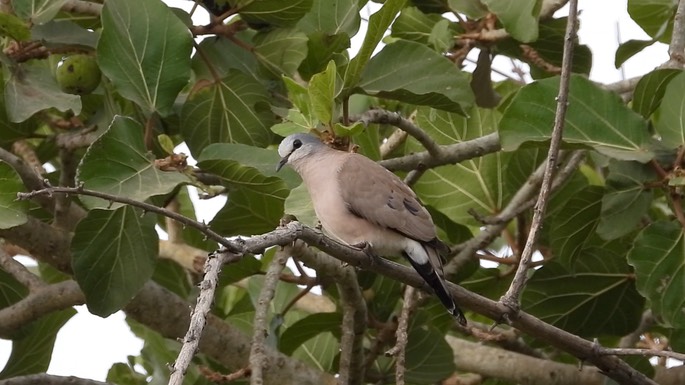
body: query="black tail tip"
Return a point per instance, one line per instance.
(456, 312)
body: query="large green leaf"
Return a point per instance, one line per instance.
(474, 9)
(299, 204)
(321, 49)
(117, 163)
(32, 88)
(627, 198)
(575, 223)
(145, 50)
(414, 25)
(14, 27)
(307, 328)
(332, 17)
(596, 297)
(658, 256)
(12, 211)
(654, 16)
(234, 110)
(274, 13)
(472, 184)
(281, 50)
(413, 73)
(377, 26)
(670, 124)
(322, 93)
(255, 199)
(520, 17)
(429, 358)
(595, 118)
(223, 56)
(59, 32)
(319, 352)
(37, 11)
(629, 49)
(650, 90)
(32, 352)
(113, 255)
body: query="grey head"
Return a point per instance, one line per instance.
(297, 147)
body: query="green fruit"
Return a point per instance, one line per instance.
(78, 74)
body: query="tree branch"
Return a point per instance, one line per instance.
(399, 351)
(49, 379)
(20, 272)
(43, 301)
(352, 369)
(198, 318)
(676, 50)
(512, 297)
(393, 118)
(258, 359)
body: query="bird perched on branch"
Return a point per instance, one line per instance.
(365, 205)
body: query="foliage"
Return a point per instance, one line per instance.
(612, 242)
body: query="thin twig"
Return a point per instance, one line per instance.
(198, 318)
(399, 351)
(511, 297)
(600, 350)
(395, 119)
(203, 228)
(261, 330)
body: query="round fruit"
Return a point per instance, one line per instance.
(78, 74)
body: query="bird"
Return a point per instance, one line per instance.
(364, 205)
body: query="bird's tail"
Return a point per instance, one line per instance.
(429, 274)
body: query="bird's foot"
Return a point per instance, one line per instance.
(367, 249)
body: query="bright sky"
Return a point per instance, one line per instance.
(87, 345)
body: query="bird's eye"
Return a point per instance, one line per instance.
(297, 144)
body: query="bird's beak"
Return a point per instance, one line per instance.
(282, 163)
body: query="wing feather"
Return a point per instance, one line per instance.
(379, 196)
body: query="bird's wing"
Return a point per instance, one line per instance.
(379, 196)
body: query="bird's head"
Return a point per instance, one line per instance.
(297, 147)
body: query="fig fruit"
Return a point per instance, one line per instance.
(78, 74)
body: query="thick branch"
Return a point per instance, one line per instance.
(19, 271)
(49, 379)
(46, 300)
(676, 50)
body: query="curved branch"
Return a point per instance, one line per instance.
(38, 303)
(49, 379)
(393, 118)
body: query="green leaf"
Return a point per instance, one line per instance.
(145, 51)
(429, 358)
(319, 351)
(13, 27)
(12, 211)
(298, 95)
(653, 16)
(474, 9)
(255, 200)
(281, 50)
(472, 184)
(294, 123)
(650, 90)
(299, 204)
(604, 124)
(32, 352)
(322, 92)
(377, 25)
(658, 258)
(413, 73)
(627, 199)
(246, 267)
(113, 255)
(670, 123)
(596, 297)
(32, 88)
(575, 223)
(629, 49)
(321, 49)
(307, 328)
(414, 25)
(173, 277)
(520, 17)
(11, 291)
(274, 13)
(352, 130)
(37, 11)
(224, 56)
(60, 32)
(117, 163)
(235, 110)
(332, 17)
